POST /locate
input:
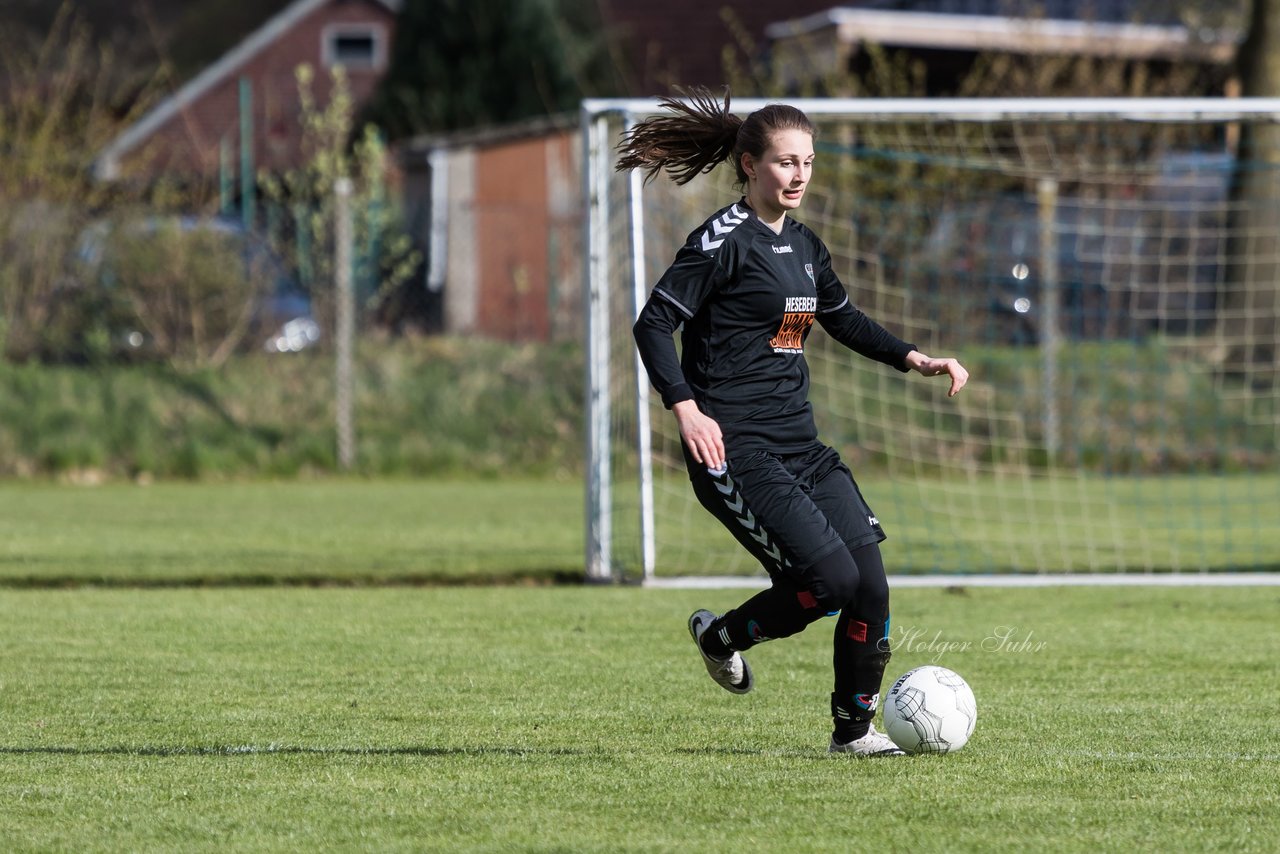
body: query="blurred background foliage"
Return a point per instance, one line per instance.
(133, 341)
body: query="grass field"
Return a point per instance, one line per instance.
(579, 719)
(163, 687)
(343, 531)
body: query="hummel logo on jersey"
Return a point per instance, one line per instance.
(873, 521)
(781, 250)
(722, 225)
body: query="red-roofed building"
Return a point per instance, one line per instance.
(251, 93)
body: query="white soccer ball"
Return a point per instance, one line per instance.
(930, 710)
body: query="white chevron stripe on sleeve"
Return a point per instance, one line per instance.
(722, 225)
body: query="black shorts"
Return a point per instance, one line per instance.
(791, 510)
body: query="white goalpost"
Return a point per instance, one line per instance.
(1108, 270)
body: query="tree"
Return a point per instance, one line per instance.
(334, 148)
(1253, 294)
(460, 64)
(57, 106)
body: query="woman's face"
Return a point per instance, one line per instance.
(777, 179)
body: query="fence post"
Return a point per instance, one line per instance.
(345, 332)
(1050, 297)
(247, 180)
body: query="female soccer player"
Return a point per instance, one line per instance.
(747, 286)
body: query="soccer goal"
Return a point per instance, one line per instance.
(1109, 272)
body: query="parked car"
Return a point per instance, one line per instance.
(1126, 266)
(988, 255)
(190, 285)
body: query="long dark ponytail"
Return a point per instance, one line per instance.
(700, 133)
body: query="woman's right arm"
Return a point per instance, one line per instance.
(654, 332)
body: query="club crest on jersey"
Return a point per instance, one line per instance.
(808, 268)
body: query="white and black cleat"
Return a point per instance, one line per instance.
(874, 743)
(732, 673)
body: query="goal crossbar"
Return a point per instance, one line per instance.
(979, 109)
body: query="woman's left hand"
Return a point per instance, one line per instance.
(931, 367)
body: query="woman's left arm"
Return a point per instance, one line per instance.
(931, 367)
(846, 323)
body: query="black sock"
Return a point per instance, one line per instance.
(713, 640)
(861, 655)
(779, 612)
(861, 650)
(849, 724)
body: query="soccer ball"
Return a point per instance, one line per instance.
(930, 710)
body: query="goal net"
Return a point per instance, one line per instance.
(1107, 270)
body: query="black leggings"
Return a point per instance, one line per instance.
(804, 518)
(850, 584)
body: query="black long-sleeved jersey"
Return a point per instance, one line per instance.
(747, 298)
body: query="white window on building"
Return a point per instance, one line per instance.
(355, 46)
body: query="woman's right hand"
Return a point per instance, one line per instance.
(701, 434)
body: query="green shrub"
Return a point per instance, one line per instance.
(423, 407)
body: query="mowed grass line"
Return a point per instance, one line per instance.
(580, 719)
(351, 531)
(338, 530)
